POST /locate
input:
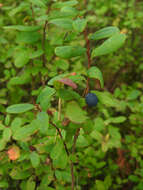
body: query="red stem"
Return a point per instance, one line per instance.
(89, 60)
(88, 48)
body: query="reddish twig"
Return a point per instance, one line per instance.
(66, 149)
(33, 14)
(75, 140)
(44, 54)
(72, 174)
(89, 59)
(88, 48)
(73, 151)
(65, 146)
(43, 43)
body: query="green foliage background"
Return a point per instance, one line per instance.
(109, 147)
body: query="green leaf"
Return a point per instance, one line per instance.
(7, 134)
(79, 79)
(30, 185)
(46, 93)
(28, 37)
(134, 94)
(20, 80)
(65, 23)
(66, 3)
(57, 150)
(94, 72)
(67, 52)
(20, 8)
(2, 127)
(63, 176)
(82, 142)
(115, 137)
(55, 14)
(99, 124)
(107, 99)
(70, 10)
(18, 174)
(4, 184)
(43, 122)
(36, 54)
(2, 144)
(45, 97)
(68, 94)
(35, 159)
(97, 135)
(24, 132)
(16, 123)
(134, 178)
(23, 28)
(39, 3)
(108, 181)
(104, 33)
(21, 58)
(46, 180)
(100, 185)
(62, 160)
(79, 24)
(114, 132)
(75, 113)
(19, 108)
(110, 45)
(119, 119)
(7, 120)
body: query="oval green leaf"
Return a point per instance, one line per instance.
(23, 28)
(45, 97)
(7, 134)
(67, 52)
(107, 99)
(75, 113)
(70, 10)
(43, 122)
(21, 58)
(39, 3)
(65, 23)
(94, 72)
(110, 45)
(19, 108)
(26, 131)
(104, 33)
(79, 25)
(63, 4)
(35, 159)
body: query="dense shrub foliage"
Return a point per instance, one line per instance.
(53, 55)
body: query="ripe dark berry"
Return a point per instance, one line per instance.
(91, 99)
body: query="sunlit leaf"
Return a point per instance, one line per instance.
(65, 23)
(75, 113)
(110, 45)
(104, 33)
(19, 108)
(22, 28)
(35, 159)
(79, 24)
(94, 72)
(66, 3)
(69, 51)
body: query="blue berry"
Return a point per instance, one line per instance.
(91, 99)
